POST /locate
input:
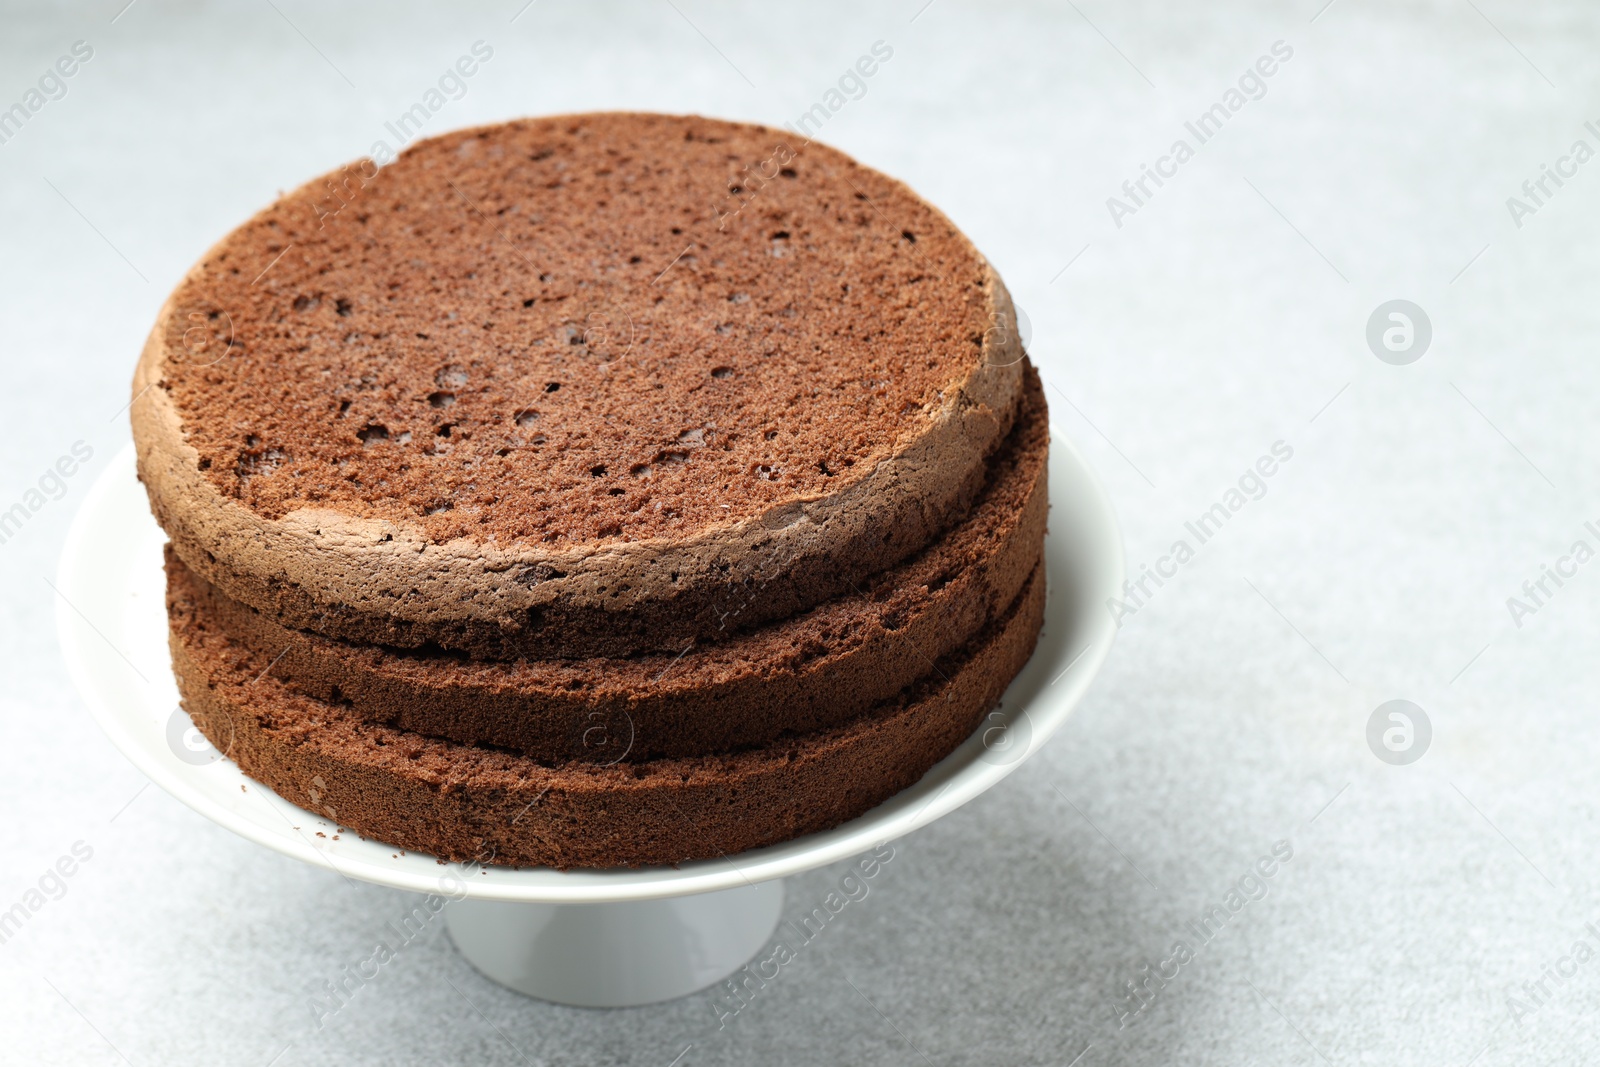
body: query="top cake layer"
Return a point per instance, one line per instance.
(534, 378)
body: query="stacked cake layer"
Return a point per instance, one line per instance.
(596, 491)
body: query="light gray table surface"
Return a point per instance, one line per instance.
(1226, 313)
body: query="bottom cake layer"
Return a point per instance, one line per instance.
(464, 802)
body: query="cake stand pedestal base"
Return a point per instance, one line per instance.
(616, 955)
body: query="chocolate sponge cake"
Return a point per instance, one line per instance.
(806, 673)
(462, 802)
(595, 491)
(593, 385)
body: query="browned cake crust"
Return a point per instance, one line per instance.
(460, 802)
(588, 385)
(794, 677)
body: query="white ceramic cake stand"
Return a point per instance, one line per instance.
(592, 938)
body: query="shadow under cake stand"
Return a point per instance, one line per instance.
(596, 938)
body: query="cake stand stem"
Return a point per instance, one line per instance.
(618, 954)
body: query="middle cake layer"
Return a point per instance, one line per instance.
(799, 676)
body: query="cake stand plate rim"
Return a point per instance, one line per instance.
(110, 618)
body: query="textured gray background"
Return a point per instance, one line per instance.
(1228, 313)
